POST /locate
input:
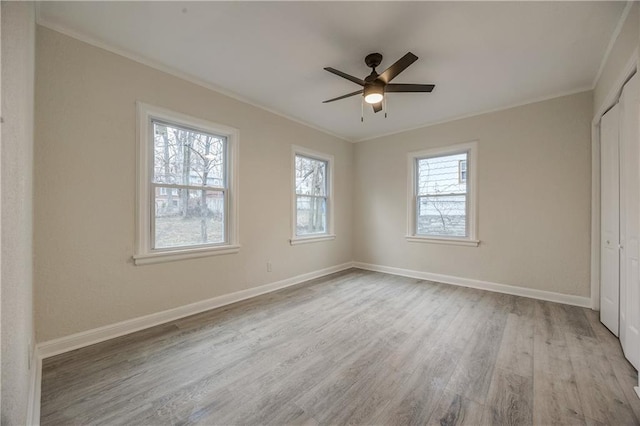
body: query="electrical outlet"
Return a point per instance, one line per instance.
(268, 266)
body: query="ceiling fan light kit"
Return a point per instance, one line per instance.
(373, 93)
(375, 85)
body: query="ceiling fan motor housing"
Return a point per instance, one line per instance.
(373, 60)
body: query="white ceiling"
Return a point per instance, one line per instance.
(481, 55)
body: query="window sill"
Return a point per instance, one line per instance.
(311, 239)
(173, 255)
(448, 241)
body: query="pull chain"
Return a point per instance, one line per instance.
(362, 110)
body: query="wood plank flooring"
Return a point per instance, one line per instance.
(356, 347)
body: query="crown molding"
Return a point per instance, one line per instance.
(612, 41)
(483, 112)
(210, 86)
(175, 73)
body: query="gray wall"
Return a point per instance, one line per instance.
(534, 192)
(18, 46)
(85, 184)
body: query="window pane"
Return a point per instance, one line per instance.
(187, 157)
(311, 217)
(442, 216)
(190, 217)
(441, 175)
(311, 176)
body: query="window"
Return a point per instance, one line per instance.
(187, 187)
(462, 171)
(442, 193)
(165, 191)
(312, 209)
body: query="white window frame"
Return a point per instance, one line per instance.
(329, 235)
(471, 148)
(144, 253)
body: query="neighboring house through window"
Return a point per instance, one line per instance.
(462, 171)
(312, 204)
(443, 195)
(186, 187)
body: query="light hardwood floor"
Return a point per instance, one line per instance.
(359, 348)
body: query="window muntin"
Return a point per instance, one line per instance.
(312, 193)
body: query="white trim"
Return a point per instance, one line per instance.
(329, 235)
(471, 148)
(210, 86)
(143, 250)
(616, 88)
(630, 67)
(177, 73)
(612, 41)
(173, 255)
(481, 285)
(595, 217)
(311, 239)
(478, 113)
(89, 337)
(446, 241)
(35, 387)
(79, 340)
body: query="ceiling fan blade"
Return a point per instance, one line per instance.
(356, 80)
(395, 69)
(357, 92)
(377, 107)
(393, 87)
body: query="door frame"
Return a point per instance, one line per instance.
(628, 71)
(610, 184)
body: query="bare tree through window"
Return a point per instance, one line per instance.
(441, 201)
(311, 195)
(189, 186)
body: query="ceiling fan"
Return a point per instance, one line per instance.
(375, 85)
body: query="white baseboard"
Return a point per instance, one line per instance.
(96, 335)
(35, 386)
(90, 337)
(550, 296)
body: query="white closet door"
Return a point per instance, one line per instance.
(610, 220)
(630, 221)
